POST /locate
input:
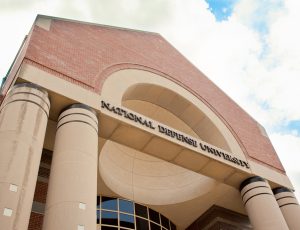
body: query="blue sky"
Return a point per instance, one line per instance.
(260, 20)
(249, 48)
(221, 9)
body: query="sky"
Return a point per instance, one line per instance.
(249, 48)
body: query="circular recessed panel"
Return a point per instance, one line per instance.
(149, 180)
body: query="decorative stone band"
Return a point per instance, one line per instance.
(28, 92)
(81, 106)
(261, 205)
(289, 206)
(30, 85)
(78, 113)
(285, 196)
(253, 187)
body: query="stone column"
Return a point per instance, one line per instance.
(289, 207)
(72, 192)
(23, 120)
(261, 206)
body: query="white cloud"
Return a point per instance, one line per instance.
(259, 69)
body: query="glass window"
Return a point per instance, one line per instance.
(154, 216)
(141, 210)
(126, 206)
(109, 203)
(173, 227)
(98, 216)
(164, 221)
(141, 224)
(98, 201)
(108, 228)
(44, 172)
(126, 221)
(110, 218)
(117, 213)
(154, 226)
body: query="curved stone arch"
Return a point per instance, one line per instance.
(129, 172)
(125, 80)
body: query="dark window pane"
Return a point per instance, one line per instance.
(110, 218)
(173, 226)
(141, 224)
(109, 203)
(154, 216)
(154, 226)
(98, 217)
(44, 172)
(164, 221)
(46, 156)
(98, 201)
(108, 228)
(141, 210)
(126, 221)
(126, 206)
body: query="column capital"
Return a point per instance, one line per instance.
(28, 93)
(30, 85)
(251, 180)
(289, 206)
(260, 204)
(79, 113)
(79, 106)
(281, 189)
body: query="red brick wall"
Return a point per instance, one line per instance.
(36, 221)
(86, 54)
(41, 189)
(223, 216)
(40, 194)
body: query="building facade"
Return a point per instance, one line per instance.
(112, 128)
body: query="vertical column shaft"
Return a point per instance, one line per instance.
(261, 206)
(23, 121)
(289, 207)
(72, 192)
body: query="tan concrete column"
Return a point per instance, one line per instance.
(289, 207)
(72, 192)
(23, 121)
(261, 206)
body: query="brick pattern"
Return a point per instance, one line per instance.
(85, 54)
(35, 221)
(217, 218)
(40, 194)
(223, 226)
